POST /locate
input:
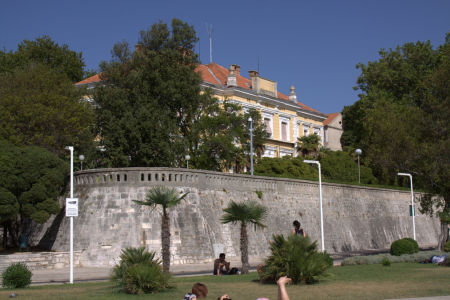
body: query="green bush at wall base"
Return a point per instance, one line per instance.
(447, 247)
(404, 246)
(16, 275)
(378, 259)
(386, 262)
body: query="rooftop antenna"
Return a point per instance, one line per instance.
(209, 29)
(258, 64)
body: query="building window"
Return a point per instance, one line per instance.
(284, 131)
(305, 131)
(268, 124)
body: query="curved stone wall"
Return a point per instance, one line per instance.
(355, 218)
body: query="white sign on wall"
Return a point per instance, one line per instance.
(71, 207)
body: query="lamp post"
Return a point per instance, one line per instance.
(359, 152)
(320, 200)
(70, 148)
(81, 158)
(187, 157)
(251, 145)
(412, 201)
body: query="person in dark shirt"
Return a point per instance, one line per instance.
(221, 266)
(297, 229)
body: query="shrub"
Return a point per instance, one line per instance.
(139, 272)
(386, 262)
(295, 257)
(378, 259)
(447, 246)
(404, 246)
(16, 276)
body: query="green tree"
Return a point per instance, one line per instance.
(31, 179)
(309, 145)
(39, 107)
(223, 138)
(45, 51)
(166, 198)
(402, 121)
(152, 111)
(245, 213)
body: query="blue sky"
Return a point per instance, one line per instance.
(313, 45)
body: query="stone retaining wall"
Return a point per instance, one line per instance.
(355, 218)
(40, 260)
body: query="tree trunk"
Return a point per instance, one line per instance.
(165, 241)
(443, 236)
(244, 248)
(5, 235)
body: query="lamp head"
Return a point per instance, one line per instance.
(187, 157)
(69, 148)
(358, 152)
(81, 157)
(250, 119)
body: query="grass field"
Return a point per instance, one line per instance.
(400, 280)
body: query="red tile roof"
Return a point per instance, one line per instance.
(92, 79)
(216, 74)
(330, 118)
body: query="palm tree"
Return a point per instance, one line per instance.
(166, 197)
(250, 212)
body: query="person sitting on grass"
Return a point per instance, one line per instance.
(199, 290)
(220, 264)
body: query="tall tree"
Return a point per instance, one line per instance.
(402, 120)
(43, 50)
(152, 111)
(245, 213)
(31, 179)
(40, 107)
(309, 145)
(166, 198)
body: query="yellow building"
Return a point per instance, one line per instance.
(285, 118)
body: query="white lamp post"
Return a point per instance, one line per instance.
(359, 152)
(251, 145)
(320, 200)
(81, 158)
(412, 202)
(70, 148)
(187, 157)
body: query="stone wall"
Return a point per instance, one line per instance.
(40, 260)
(355, 218)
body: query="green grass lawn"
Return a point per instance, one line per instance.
(400, 280)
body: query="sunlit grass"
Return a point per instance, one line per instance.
(352, 282)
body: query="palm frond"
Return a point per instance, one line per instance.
(245, 212)
(162, 195)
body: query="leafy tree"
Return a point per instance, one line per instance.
(31, 179)
(45, 51)
(309, 145)
(166, 198)
(287, 166)
(152, 112)
(223, 138)
(402, 120)
(245, 213)
(340, 166)
(39, 107)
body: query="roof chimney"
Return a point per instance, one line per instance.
(237, 69)
(231, 80)
(253, 73)
(292, 94)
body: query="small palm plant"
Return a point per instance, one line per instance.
(245, 213)
(167, 198)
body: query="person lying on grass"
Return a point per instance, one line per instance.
(199, 290)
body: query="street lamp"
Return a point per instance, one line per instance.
(81, 158)
(70, 148)
(412, 201)
(320, 200)
(359, 152)
(187, 157)
(251, 145)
